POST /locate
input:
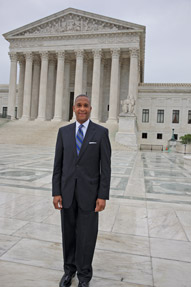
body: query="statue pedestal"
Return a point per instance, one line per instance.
(127, 134)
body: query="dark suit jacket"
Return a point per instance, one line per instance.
(87, 174)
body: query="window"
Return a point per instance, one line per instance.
(145, 116)
(175, 137)
(160, 116)
(4, 114)
(189, 117)
(175, 116)
(144, 135)
(159, 136)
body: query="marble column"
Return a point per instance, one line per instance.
(114, 87)
(133, 76)
(21, 86)
(59, 86)
(66, 98)
(85, 73)
(12, 86)
(43, 87)
(27, 87)
(79, 73)
(51, 87)
(95, 99)
(35, 87)
(101, 100)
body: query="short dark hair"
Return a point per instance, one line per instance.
(82, 95)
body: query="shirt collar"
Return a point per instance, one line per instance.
(85, 124)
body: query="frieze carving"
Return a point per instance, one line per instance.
(73, 23)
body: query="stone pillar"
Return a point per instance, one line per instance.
(12, 86)
(66, 99)
(51, 87)
(133, 76)
(59, 86)
(35, 88)
(114, 87)
(95, 100)
(21, 86)
(43, 87)
(27, 87)
(85, 74)
(79, 73)
(101, 99)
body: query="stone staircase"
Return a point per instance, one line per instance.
(42, 133)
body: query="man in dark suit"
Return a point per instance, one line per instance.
(81, 181)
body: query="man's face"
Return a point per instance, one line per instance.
(82, 109)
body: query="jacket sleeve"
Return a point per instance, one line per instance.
(57, 171)
(105, 166)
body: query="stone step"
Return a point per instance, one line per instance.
(42, 133)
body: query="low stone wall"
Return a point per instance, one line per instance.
(183, 148)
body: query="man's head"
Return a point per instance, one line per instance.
(82, 108)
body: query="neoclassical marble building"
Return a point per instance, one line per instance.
(70, 53)
(73, 52)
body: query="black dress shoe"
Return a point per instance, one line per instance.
(83, 284)
(66, 280)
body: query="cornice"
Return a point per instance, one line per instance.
(165, 85)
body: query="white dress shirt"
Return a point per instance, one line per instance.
(84, 128)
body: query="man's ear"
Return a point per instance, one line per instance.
(73, 108)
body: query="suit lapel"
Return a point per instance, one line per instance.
(89, 134)
(73, 139)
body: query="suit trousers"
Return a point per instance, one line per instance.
(79, 235)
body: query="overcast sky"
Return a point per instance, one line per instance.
(168, 25)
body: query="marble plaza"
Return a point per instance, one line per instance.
(145, 231)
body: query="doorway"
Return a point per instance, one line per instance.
(71, 105)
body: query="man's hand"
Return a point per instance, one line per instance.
(57, 201)
(100, 204)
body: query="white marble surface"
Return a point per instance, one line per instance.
(171, 273)
(132, 221)
(146, 221)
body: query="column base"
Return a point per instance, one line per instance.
(24, 119)
(57, 119)
(40, 120)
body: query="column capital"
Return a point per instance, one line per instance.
(29, 56)
(134, 52)
(79, 53)
(44, 55)
(60, 54)
(97, 53)
(13, 56)
(115, 52)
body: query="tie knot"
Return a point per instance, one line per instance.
(81, 126)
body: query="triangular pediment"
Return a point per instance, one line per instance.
(73, 21)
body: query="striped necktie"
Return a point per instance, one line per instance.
(79, 139)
